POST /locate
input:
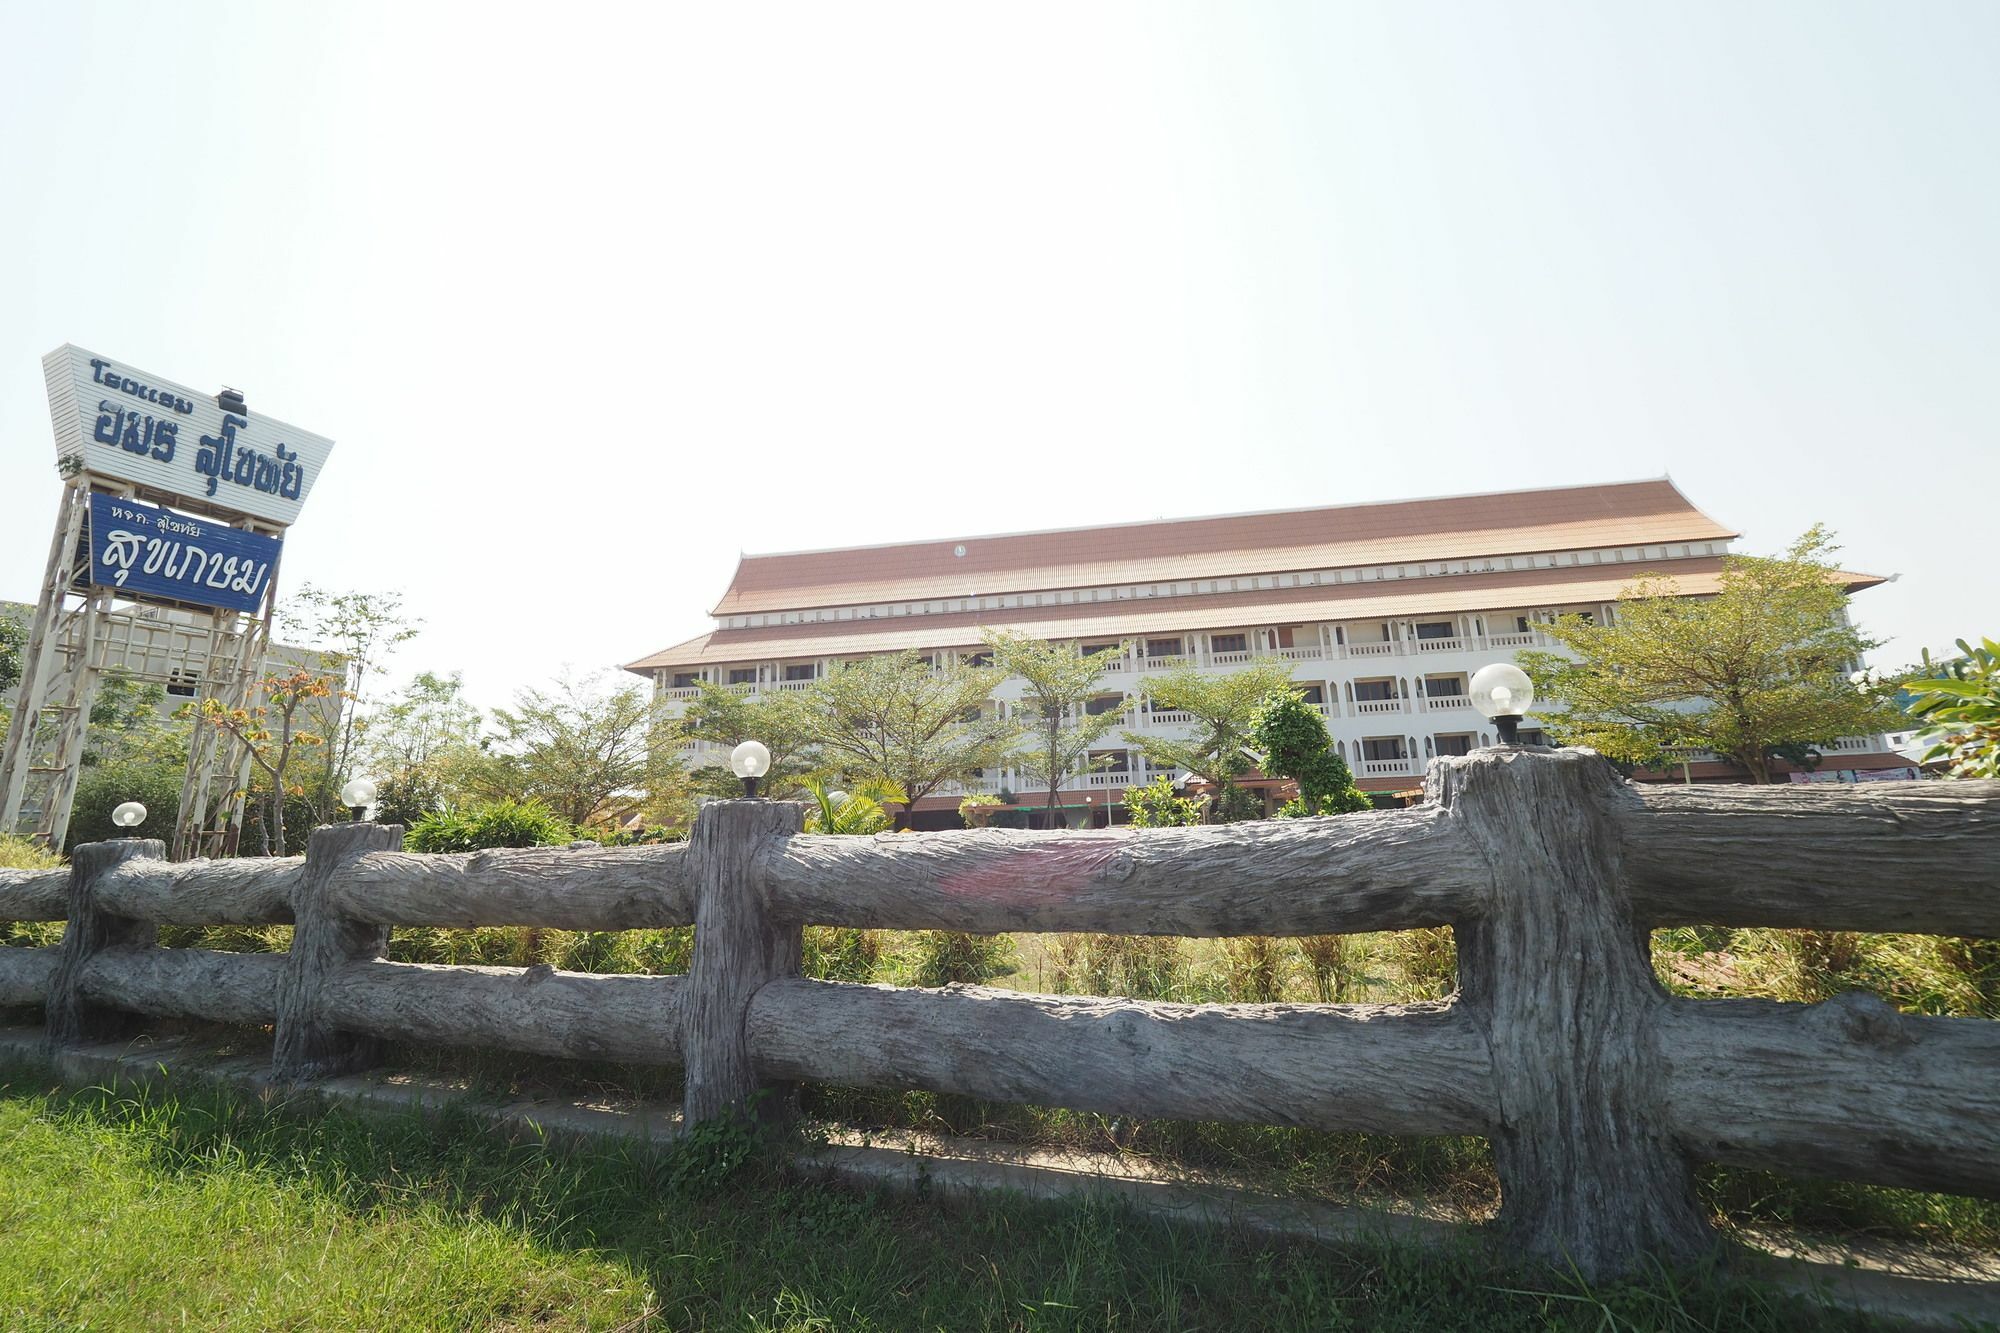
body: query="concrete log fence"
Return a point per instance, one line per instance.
(1599, 1092)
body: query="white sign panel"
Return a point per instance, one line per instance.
(117, 421)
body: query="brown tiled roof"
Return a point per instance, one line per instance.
(1513, 589)
(1514, 523)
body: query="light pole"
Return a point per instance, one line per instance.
(750, 760)
(1503, 692)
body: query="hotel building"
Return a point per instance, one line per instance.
(1383, 610)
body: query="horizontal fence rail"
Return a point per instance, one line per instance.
(1598, 1090)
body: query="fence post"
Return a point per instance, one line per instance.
(306, 1046)
(71, 1018)
(738, 948)
(1560, 976)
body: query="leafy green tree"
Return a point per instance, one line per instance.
(1296, 745)
(724, 718)
(13, 640)
(898, 718)
(577, 747)
(1158, 805)
(1760, 666)
(1958, 704)
(1058, 681)
(359, 630)
(422, 747)
(1224, 709)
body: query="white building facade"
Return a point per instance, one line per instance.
(1383, 611)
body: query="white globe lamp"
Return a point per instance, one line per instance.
(750, 761)
(1503, 692)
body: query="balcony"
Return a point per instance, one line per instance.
(1516, 640)
(793, 684)
(679, 691)
(1451, 645)
(1163, 663)
(1228, 659)
(1363, 707)
(1308, 653)
(1446, 703)
(1381, 768)
(1165, 718)
(1383, 649)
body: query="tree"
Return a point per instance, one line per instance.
(1760, 666)
(575, 747)
(1294, 739)
(1059, 681)
(726, 719)
(899, 718)
(422, 747)
(1958, 705)
(361, 629)
(272, 732)
(1224, 710)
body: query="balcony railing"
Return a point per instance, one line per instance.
(1304, 653)
(1518, 640)
(678, 691)
(793, 684)
(1378, 706)
(1450, 645)
(1438, 703)
(1385, 767)
(1163, 663)
(1165, 718)
(1385, 649)
(1228, 659)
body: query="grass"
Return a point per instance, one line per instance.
(181, 1208)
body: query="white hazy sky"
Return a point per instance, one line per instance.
(592, 297)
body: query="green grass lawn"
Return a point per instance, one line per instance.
(206, 1210)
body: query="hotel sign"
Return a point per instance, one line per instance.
(148, 553)
(112, 420)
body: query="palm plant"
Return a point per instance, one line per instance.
(856, 812)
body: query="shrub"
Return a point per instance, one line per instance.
(1254, 967)
(839, 953)
(503, 823)
(1427, 960)
(102, 788)
(21, 854)
(1331, 961)
(1156, 805)
(1294, 739)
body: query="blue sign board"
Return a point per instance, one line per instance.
(146, 552)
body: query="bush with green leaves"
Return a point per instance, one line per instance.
(102, 788)
(1157, 805)
(492, 824)
(1294, 739)
(1958, 704)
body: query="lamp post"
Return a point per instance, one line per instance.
(750, 761)
(128, 816)
(357, 795)
(1503, 692)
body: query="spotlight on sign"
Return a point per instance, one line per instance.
(357, 795)
(1503, 692)
(750, 761)
(129, 816)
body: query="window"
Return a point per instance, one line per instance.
(1120, 761)
(799, 671)
(1104, 703)
(743, 675)
(979, 659)
(1532, 736)
(683, 680)
(182, 682)
(1163, 647)
(1374, 689)
(1444, 687)
(1454, 744)
(1521, 624)
(1382, 747)
(1226, 643)
(1093, 649)
(1436, 629)
(1313, 694)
